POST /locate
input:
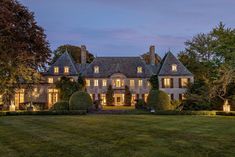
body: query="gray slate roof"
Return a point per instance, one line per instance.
(166, 66)
(125, 65)
(64, 60)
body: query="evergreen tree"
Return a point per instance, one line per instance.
(127, 97)
(109, 96)
(154, 82)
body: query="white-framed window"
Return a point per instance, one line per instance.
(184, 82)
(140, 83)
(88, 83)
(96, 69)
(104, 83)
(96, 83)
(167, 82)
(139, 70)
(132, 83)
(50, 80)
(118, 83)
(56, 70)
(66, 69)
(103, 99)
(174, 67)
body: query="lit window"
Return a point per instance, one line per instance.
(96, 69)
(167, 82)
(50, 80)
(184, 82)
(139, 69)
(66, 70)
(104, 83)
(96, 83)
(71, 79)
(56, 70)
(148, 84)
(118, 83)
(1, 102)
(132, 83)
(174, 67)
(140, 83)
(88, 83)
(103, 99)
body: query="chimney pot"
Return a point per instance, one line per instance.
(83, 54)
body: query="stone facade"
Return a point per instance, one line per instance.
(119, 72)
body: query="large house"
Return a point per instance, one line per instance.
(119, 72)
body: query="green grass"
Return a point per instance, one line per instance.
(117, 136)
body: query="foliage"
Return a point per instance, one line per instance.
(211, 58)
(109, 96)
(66, 88)
(60, 105)
(80, 101)
(175, 104)
(158, 100)
(146, 58)
(24, 49)
(127, 96)
(140, 104)
(74, 51)
(154, 82)
(81, 82)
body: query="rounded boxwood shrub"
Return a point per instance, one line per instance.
(140, 104)
(61, 105)
(80, 101)
(158, 100)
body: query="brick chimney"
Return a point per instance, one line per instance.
(83, 54)
(152, 54)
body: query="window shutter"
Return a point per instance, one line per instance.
(180, 97)
(93, 97)
(137, 96)
(172, 83)
(188, 81)
(180, 83)
(142, 96)
(172, 96)
(163, 85)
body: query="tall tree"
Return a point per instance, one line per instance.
(127, 97)
(109, 96)
(24, 49)
(211, 58)
(74, 51)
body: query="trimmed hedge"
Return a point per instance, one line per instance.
(60, 106)
(18, 113)
(80, 101)
(158, 100)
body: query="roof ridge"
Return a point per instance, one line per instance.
(71, 60)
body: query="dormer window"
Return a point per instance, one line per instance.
(66, 69)
(174, 67)
(139, 70)
(56, 70)
(96, 69)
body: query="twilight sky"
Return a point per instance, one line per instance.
(128, 27)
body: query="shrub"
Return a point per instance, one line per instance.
(127, 96)
(140, 104)
(158, 100)
(60, 106)
(175, 104)
(109, 96)
(80, 101)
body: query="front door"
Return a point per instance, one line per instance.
(118, 99)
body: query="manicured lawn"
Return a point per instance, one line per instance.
(117, 136)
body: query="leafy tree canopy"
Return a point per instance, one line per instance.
(211, 58)
(23, 46)
(74, 51)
